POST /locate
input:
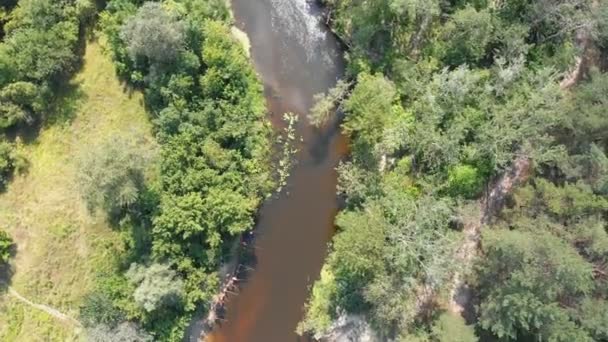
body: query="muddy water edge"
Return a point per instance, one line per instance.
(296, 56)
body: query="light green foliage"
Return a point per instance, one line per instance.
(382, 253)
(5, 247)
(20, 101)
(452, 328)
(370, 110)
(369, 107)
(125, 332)
(601, 24)
(593, 315)
(587, 120)
(153, 33)
(319, 309)
(156, 286)
(328, 104)
(111, 174)
(464, 180)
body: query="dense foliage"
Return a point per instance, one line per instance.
(208, 111)
(447, 94)
(38, 50)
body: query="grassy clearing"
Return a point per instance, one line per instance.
(60, 245)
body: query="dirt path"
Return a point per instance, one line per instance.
(49, 310)
(489, 205)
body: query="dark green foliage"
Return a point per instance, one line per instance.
(448, 95)
(208, 109)
(523, 278)
(467, 35)
(6, 244)
(7, 163)
(38, 49)
(98, 308)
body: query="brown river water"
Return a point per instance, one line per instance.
(296, 57)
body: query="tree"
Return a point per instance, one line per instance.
(124, 332)
(111, 174)
(153, 33)
(526, 279)
(327, 104)
(593, 315)
(19, 102)
(156, 286)
(467, 34)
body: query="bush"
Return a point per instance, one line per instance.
(98, 309)
(464, 180)
(5, 246)
(7, 162)
(125, 332)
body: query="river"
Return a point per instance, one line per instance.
(296, 57)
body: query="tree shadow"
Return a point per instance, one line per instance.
(63, 110)
(7, 271)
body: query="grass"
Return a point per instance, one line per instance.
(60, 245)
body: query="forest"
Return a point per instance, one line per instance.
(475, 195)
(176, 201)
(136, 150)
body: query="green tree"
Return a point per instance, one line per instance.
(153, 33)
(467, 33)
(525, 278)
(327, 104)
(111, 174)
(156, 286)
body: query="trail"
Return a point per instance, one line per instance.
(489, 205)
(49, 310)
(518, 173)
